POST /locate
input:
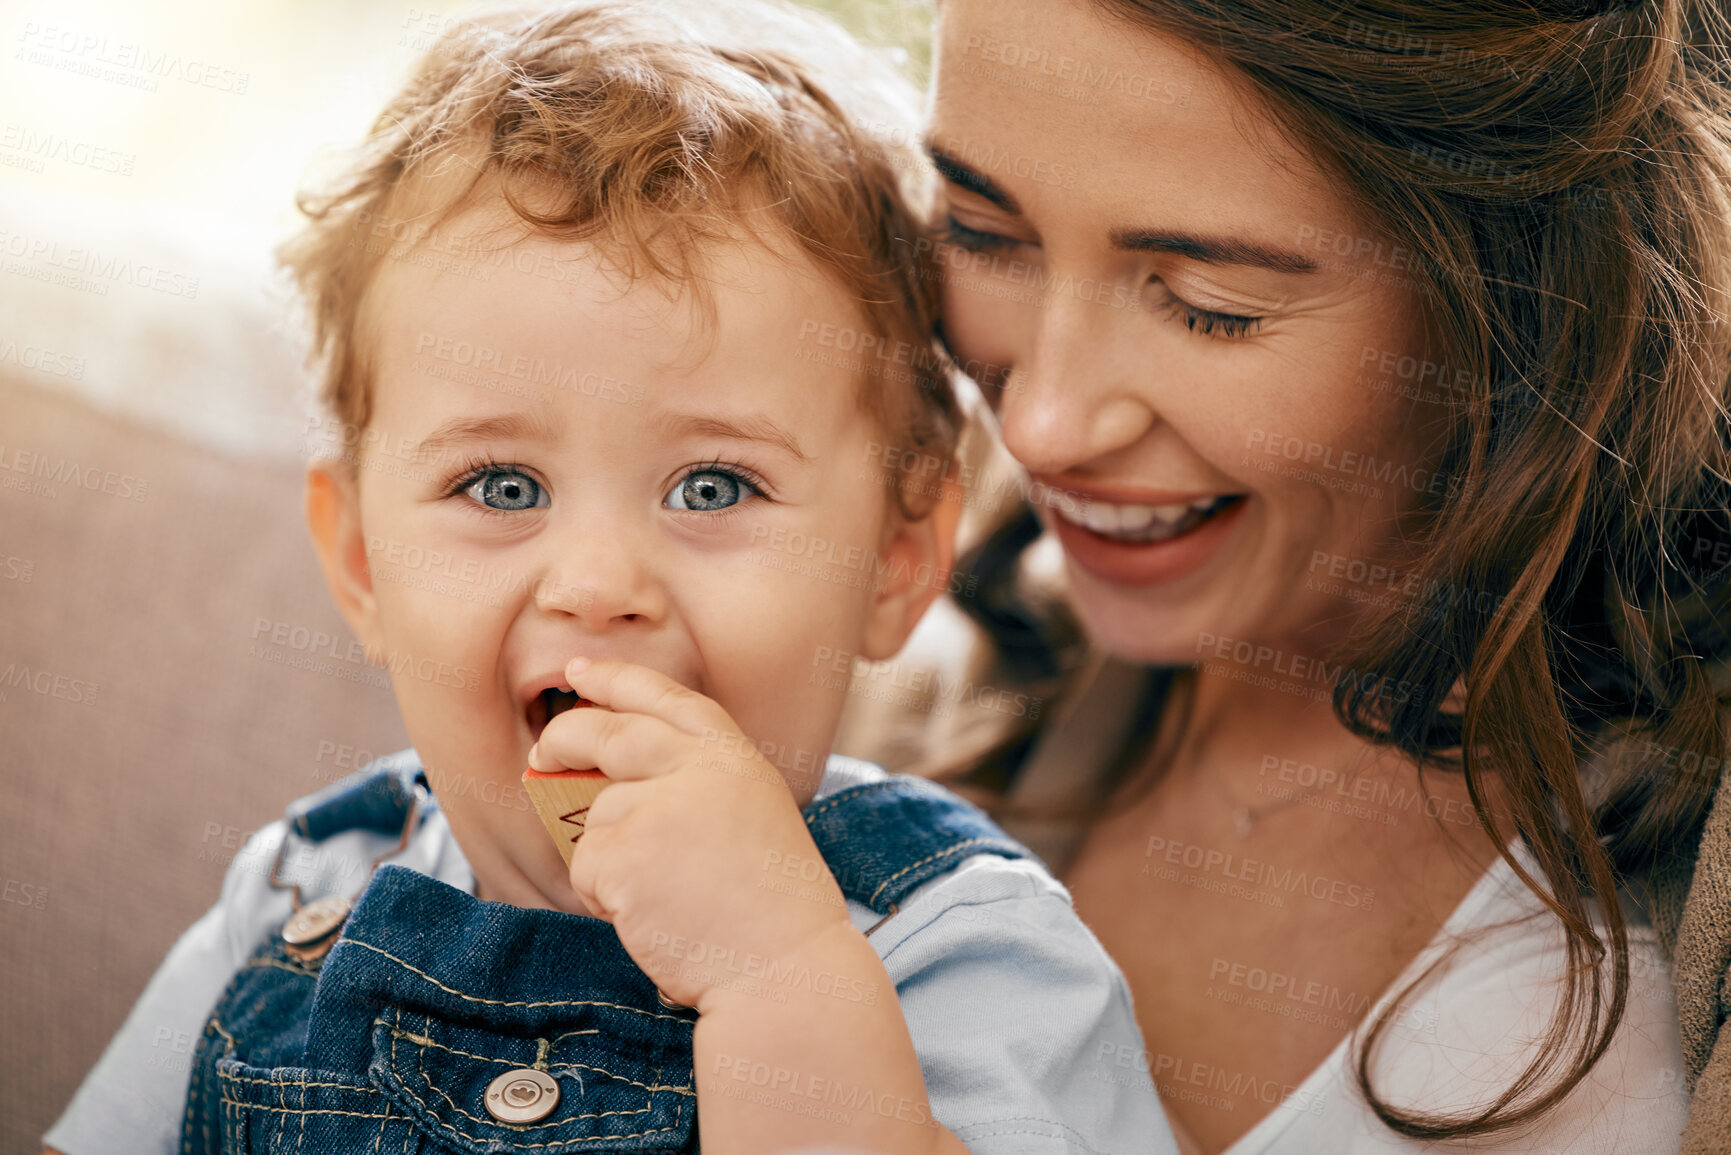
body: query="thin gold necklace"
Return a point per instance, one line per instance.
(1245, 816)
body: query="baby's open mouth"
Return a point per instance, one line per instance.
(548, 705)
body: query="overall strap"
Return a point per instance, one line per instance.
(377, 797)
(884, 839)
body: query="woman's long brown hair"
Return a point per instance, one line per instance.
(1563, 172)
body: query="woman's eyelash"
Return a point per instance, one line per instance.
(1206, 321)
(974, 240)
(1210, 323)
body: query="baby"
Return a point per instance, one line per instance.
(578, 300)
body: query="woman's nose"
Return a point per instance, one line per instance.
(1077, 392)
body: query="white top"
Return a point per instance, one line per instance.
(1468, 1032)
(1462, 1038)
(1016, 1011)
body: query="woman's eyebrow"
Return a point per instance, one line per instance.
(964, 177)
(1213, 250)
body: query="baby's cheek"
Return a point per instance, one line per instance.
(789, 707)
(443, 664)
(438, 643)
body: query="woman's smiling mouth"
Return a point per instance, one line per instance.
(1138, 524)
(1143, 543)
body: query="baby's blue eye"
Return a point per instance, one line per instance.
(707, 490)
(507, 489)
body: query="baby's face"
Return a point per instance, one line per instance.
(562, 464)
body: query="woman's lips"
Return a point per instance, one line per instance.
(1140, 545)
(1137, 523)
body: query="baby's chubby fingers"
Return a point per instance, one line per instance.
(592, 853)
(634, 689)
(624, 747)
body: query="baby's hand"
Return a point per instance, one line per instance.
(676, 852)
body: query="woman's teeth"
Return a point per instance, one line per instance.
(1138, 523)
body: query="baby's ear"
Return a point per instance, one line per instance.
(334, 519)
(915, 560)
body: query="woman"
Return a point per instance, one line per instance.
(1365, 365)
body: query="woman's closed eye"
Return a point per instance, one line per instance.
(713, 488)
(1207, 322)
(975, 240)
(1210, 323)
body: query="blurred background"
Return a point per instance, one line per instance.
(172, 136)
(166, 673)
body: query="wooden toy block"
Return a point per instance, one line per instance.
(563, 800)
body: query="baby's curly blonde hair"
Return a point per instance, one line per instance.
(649, 130)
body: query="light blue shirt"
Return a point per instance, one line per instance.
(1023, 1024)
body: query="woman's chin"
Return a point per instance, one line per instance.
(1134, 626)
(1159, 603)
(1179, 626)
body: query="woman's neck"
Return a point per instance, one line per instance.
(1240, 737)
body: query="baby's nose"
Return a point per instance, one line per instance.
(606, 586)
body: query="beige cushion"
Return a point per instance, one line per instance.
(123, 807)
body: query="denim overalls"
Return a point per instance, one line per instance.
(436, 1017)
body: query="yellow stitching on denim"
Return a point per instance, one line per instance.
(540, 1063)
(682, 1088)
(301, 1139)
(204, 1126)
(192, 1101)
(233, 1078)
(281, 1119)
(859, 790)
(678, 1110)
(424, 1041)
(568, 1034)
(505, 1002)
(851, 792)
(530, 1126)
(393, 1068)
(932, 858)
(421, 1067)
(303, 1110)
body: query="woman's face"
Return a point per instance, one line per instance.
(1209, 364)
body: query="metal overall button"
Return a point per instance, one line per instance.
(313, 929)
(315, 920)
(522, 1096)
